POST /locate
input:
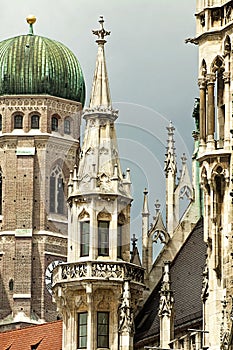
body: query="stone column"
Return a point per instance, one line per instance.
(90, 321)
(211, 111)
(227, 101)
(202, 122)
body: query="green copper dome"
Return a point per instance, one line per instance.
(32, 64)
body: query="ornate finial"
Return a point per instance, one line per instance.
(31, 19)
(183, 159)
(157, 206)
(145, 191)
(134, 241)
(101, 33)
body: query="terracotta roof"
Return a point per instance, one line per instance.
(186, 283)
(47, 336)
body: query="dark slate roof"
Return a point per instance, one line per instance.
(186, 283)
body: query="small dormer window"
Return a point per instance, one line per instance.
(35, 121)
(18, 122)
(54, 124)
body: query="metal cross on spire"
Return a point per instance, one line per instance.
(101, 33)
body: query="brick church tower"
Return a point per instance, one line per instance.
(42, 92)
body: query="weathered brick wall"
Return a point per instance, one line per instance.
(30, 236)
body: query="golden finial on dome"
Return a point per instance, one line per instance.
(31, 19)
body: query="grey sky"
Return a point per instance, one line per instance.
(152, 73)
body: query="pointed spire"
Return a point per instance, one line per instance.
(145, 209)
(158, 227)
(185, 182)
(100, 94)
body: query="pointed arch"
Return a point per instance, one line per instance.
(227, 45)
(218, 64)
(84, 229)
(57, 198)
(204, 181)
(104, 218)
(84, 215)
(203, 68)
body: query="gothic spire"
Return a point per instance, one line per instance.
(185, 182)
(100, 94)
(145, 209)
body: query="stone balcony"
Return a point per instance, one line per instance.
(116, 271)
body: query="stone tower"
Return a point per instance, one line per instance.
(98, 289)
(41, 97)
(214, 38)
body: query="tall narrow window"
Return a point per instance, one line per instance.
(18, 122)
(103, 238)
(35, 121)
(56, 191)
(119, 241)
(0, 191)
(67, 126)
(0, 122)
(82, 330)
(54, 124)
(103, 329)
(85, 237)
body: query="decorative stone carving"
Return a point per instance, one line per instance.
(104, 215)
(83, 215)
(228, 13)
(103, 151)
(166, 295)
(74, 270)
(126, 319)
(135, 274)
(216, 15)
(226, 326)
(202, 19)
(205, 283)
(107, 270)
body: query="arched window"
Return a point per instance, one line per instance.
(56, 191)
(103, 238)
(0, 122)
(54, 124)
(18, 121)
(35, 121)
(84, 222)
(104, 219)
(0, 191)
(67, 126)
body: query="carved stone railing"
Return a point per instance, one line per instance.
(97, 270)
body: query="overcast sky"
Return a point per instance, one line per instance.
(152, 72)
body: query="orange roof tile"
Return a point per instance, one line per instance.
(47, 336)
